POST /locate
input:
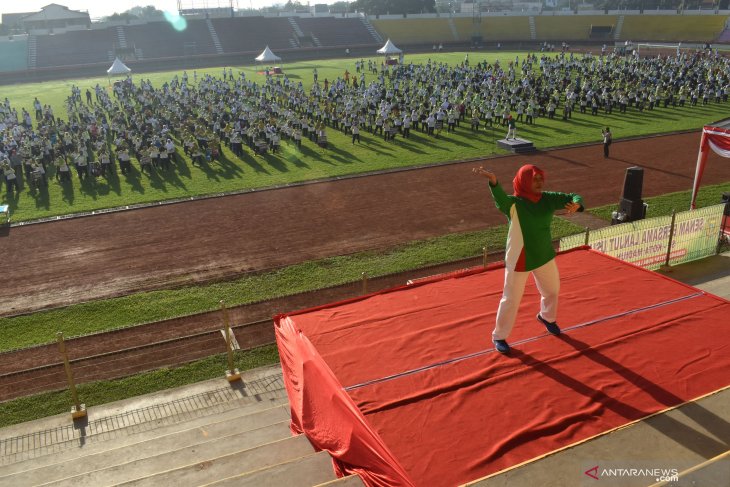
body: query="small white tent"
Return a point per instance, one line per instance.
(118, 67)
(267, 56)
(389, 49)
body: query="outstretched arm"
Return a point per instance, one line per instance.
(480, 171)
(501, 199)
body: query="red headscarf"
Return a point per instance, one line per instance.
(522, 183)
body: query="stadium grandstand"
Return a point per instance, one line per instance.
(248, 34)
(67, 40)
(15, 53)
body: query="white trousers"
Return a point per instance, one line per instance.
(511, 133)
(547, 280)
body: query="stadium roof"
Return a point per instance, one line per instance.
(55, 11)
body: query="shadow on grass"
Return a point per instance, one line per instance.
(253, 162)
(406, 144)
(181, 167)
(228, 167)
(172, 177)
(133, 180)
(373, 144)
(67, 192)
(42, 198)
(348, 157)
(208, 170)
(275, 162)
(309, 152)
(460, 141)
(156, 182)
(112, 180)
(585, 123)
(294, 159)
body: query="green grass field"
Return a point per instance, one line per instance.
(291, 165)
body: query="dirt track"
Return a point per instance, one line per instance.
(59, 263)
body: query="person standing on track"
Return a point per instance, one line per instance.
(529, 247)
(607, 139)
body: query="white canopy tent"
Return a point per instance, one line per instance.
(389, 49)
(118, 67)
(267, 56)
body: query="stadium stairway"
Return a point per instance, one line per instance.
(210, 433)
(372, 30)
(533, 29)
(724, 36)
(619, 27)
(214, 37)
(32, 51)
(121, 37)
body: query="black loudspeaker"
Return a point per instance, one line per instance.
(726, 200)
(633, 209)
(633, 183)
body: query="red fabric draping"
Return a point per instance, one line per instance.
(717, 139)
(451, 409)
(327, 416)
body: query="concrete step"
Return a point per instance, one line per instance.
(83, 461)
(715, 471)
(201, 453)
(206, 468)
(148, 431)
(349, 481)
(307, 471)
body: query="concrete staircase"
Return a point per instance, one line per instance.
(454, 32)
(121, 37)
(214, 37)
(724, 35)
(533, 29)
(32, 51)
(372, 30)
(295, 26)
(316, 41)
(619, 27)
(241, 438)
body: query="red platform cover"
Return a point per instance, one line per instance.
(404, 386)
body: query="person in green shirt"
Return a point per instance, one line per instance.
(529, 247)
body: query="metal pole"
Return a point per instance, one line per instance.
(671, 237)
(78, 410)
(364, 282)
(588, 236)
(484, 253)
(232, 374)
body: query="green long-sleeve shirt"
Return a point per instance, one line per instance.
(529, 242)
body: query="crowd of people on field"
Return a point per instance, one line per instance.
(136, 125)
